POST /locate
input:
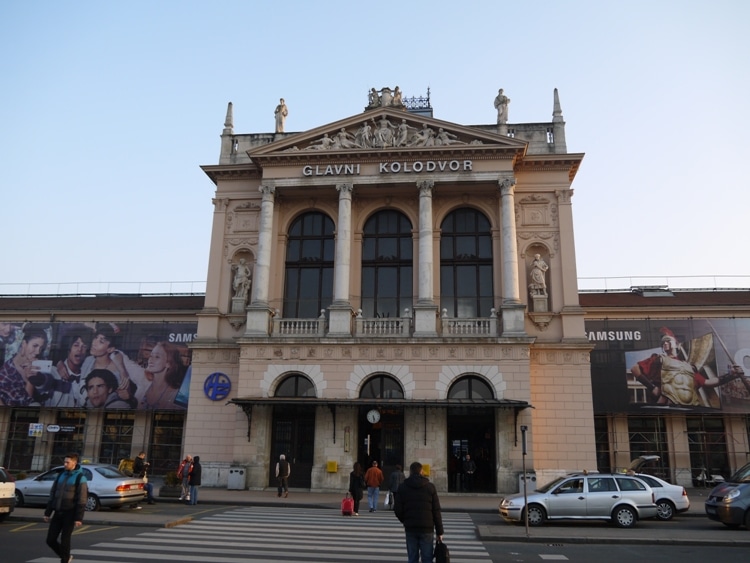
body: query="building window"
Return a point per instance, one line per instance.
(707, 440)
(19, 450)
(166, 441)
(470, 387)
(387, 265)
(466, 264)
(69, 439)
(295, 386)
(381, 387)
(648, 436)
(309, 266)
(117, 437)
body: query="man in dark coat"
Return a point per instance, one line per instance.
(67, 500)
(418, 508)
(194, 480)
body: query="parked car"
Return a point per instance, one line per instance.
(621, 499)
(670, 499)
(107, 487)
(7, 493)
(729, 502)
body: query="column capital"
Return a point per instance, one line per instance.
(425, 186)
(507, 186)
(267, 189)
(564, 196)
(345, 188)
(221, 203)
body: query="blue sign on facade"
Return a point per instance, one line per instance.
(217, 386)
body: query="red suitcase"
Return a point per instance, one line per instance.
(347, 505)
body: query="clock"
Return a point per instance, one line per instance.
(373, 416)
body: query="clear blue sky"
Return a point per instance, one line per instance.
(108, 109)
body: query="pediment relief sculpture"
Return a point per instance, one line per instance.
(384, 134)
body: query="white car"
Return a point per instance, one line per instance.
(107, 487)
(7, 494)
(621, 499)
(670, 499)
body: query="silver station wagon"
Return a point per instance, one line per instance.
(621, 499)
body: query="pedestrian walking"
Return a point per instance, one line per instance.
(67, 499)
(469, 469)
(357, 485)
(374, 478)
(394, 482)
(283, 470)
(194, 480)
(418, 509)
(183, 473)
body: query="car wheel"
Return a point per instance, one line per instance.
(19, 498)
(92, 503)
(624, 517)
(664, 509)
(537, 515)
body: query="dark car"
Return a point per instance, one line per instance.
(729, 502)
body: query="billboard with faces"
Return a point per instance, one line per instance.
(134, 366)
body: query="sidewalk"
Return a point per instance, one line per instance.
(169, 512)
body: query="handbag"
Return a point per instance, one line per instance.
(387, 501)
(442, 554)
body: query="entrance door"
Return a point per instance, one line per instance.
(382, 441)
(471, 431)
(293, 434)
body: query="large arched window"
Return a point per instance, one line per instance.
(387, 266)
(466, 264)
(296, 385)
(470, 387)
(381, 386)
(309, 266)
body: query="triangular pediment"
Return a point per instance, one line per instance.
(384, 131)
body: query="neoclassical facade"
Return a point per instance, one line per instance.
(412, 296)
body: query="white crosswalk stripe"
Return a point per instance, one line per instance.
(268, 534)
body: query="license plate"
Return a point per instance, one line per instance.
(710, 510)
(4, 508)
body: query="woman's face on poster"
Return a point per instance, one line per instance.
(157, 361)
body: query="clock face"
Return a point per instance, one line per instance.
(373, 416)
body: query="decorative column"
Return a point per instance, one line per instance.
(512, 308)
(258, 312)
(340, 311)
(425, 310)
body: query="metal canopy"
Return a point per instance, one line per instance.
(363, 402)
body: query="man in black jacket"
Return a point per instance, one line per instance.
(67, 500)
(418, 508)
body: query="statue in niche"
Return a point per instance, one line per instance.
(501, 105)
(538, 285)
(241, 281)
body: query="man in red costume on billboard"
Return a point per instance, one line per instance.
(675, 377)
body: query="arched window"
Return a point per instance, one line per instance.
(309, 266)
(470, 387)
(466, 264)
(296, 385)
(387, 265)
(381, 387)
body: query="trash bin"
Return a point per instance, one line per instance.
(530, 482)
(237, 478)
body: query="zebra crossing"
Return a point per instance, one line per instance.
(273, 534)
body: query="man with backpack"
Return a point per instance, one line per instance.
(67, 500)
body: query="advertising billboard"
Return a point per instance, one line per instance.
(670, 365)
(97, 365)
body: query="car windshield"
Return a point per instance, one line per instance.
(110, 472)
(742, 475)
(549, 486)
